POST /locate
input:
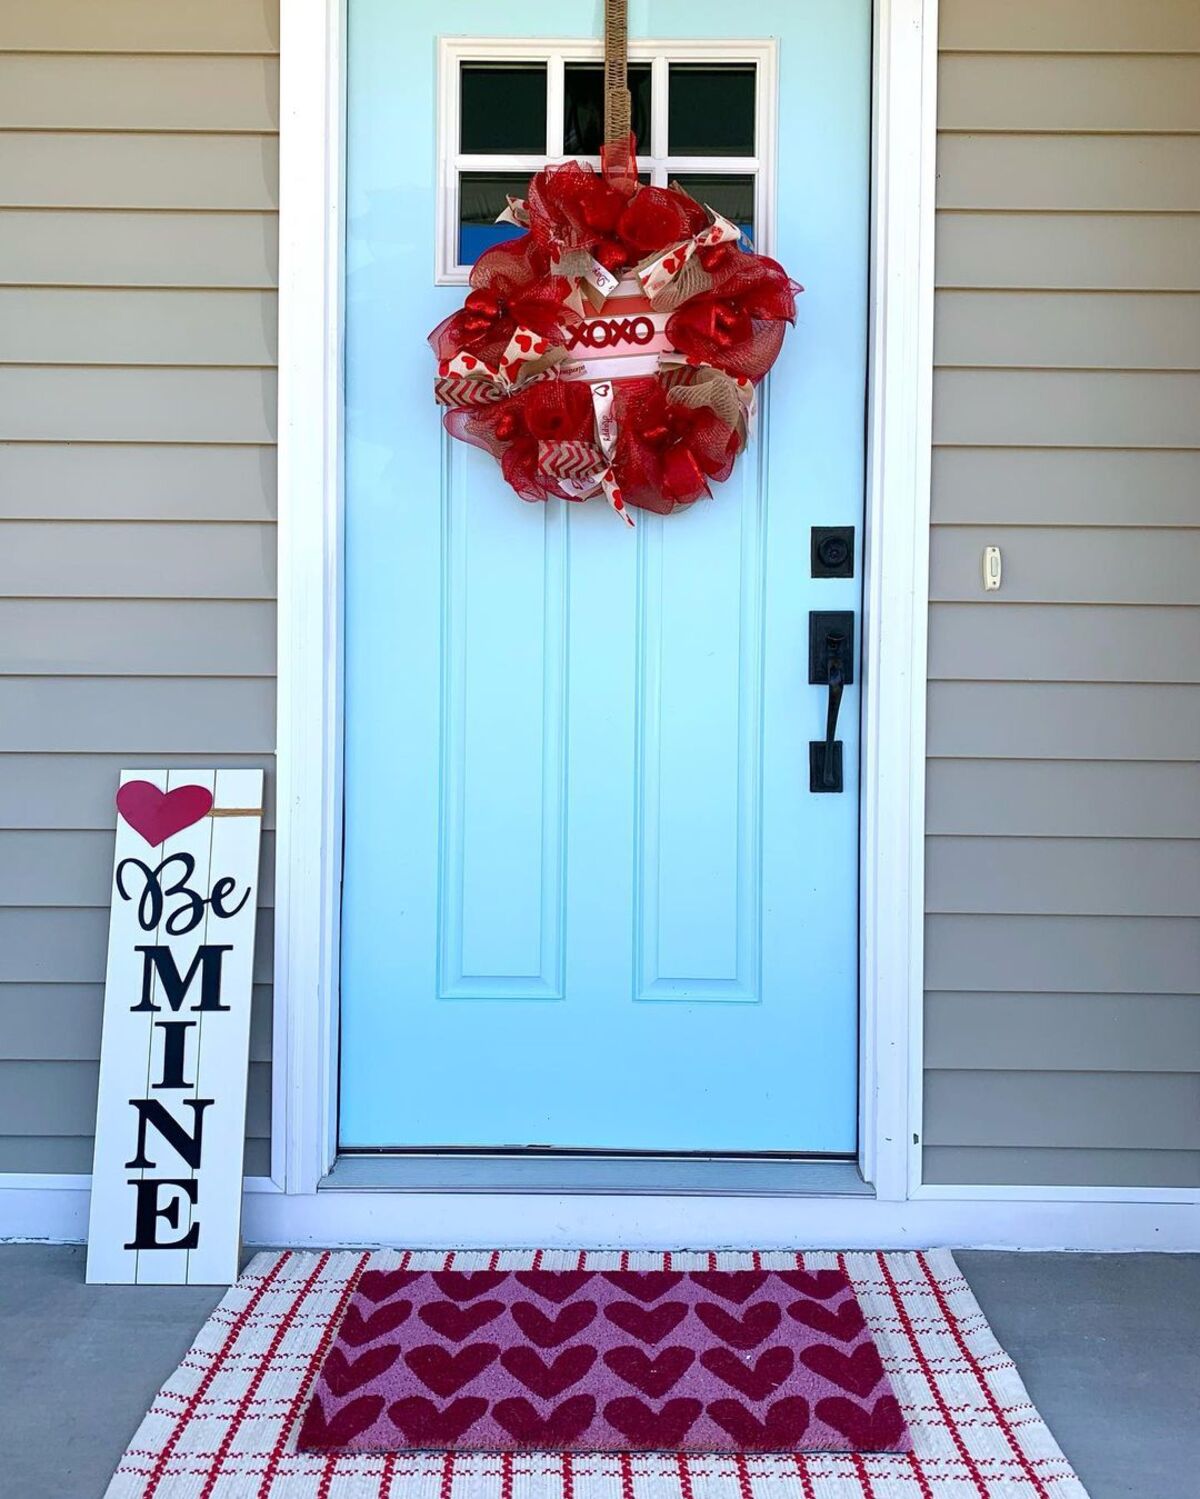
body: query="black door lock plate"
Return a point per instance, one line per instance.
(833, 551)
(830, 633)
(818, 754)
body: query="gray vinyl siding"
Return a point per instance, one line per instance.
(1062, 1018)
(138, 253)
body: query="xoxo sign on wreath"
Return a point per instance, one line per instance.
(615, 346)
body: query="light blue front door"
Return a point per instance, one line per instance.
(590, 900)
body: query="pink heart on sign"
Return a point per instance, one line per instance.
(159, 815)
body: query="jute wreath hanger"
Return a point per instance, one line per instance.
(615, 345)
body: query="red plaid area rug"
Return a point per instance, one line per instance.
(225, 1424)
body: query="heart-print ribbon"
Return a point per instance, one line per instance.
(467, 380)
(516, 213)
(583, 468)
(658, 272)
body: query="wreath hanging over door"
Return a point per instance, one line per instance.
(613, 347)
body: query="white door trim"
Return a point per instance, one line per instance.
(312, 115)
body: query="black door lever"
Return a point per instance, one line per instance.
(829, 780)
(831, 664)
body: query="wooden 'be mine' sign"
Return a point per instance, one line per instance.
(170, 1122)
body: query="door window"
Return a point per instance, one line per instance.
(698, 120)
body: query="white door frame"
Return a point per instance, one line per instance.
(895, 592)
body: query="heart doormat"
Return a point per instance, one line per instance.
(227, 1422)
(604, 1361)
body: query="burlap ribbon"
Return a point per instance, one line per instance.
(730, 397)
(618, 107)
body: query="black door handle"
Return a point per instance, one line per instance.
(830, 664)
(837, 680)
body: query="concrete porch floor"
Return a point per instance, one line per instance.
(1109, 1347)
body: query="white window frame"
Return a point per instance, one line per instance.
(556, 53)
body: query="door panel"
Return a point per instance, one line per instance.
(589, 899)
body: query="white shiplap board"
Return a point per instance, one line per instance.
(224, 845)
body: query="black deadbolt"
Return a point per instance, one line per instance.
(833, 551)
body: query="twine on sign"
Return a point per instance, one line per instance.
(618, 108)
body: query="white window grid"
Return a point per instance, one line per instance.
(662, 167)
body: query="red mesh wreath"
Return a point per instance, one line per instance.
(680, 319)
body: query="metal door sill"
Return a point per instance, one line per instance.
(604, 1175)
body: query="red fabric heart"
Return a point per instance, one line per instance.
(548, 1380)
(424, 1425)
(357, 1329)
(159, 815)
(549, 1332)
(565, 1424)
(819, 1283)
(554, 1285)
(843, 1322)
(648, 1324)
(654, 1376)
(757, 1382)
(459, 1322)
(463, 1285)
(445, 1373)
(859, 1372)
(786, 1422)
(347, 1423)
(866, 1431)
(747, 1331)
(378, 1285)
(732, 1285)
(343, 1375)
(646, 1285)
(649, 1430)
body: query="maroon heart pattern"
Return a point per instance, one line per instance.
(446, 1373)
(457, 1323)
(579, 1360)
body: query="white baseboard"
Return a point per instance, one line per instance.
(32, 1210)
(486, 1221)
(54, 1209)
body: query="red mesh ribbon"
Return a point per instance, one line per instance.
(575, 210)
(738, 325)
(511, 289)
(657, 217)
(667, 452)
(512, 431)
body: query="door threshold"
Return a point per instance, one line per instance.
(615, 1175)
